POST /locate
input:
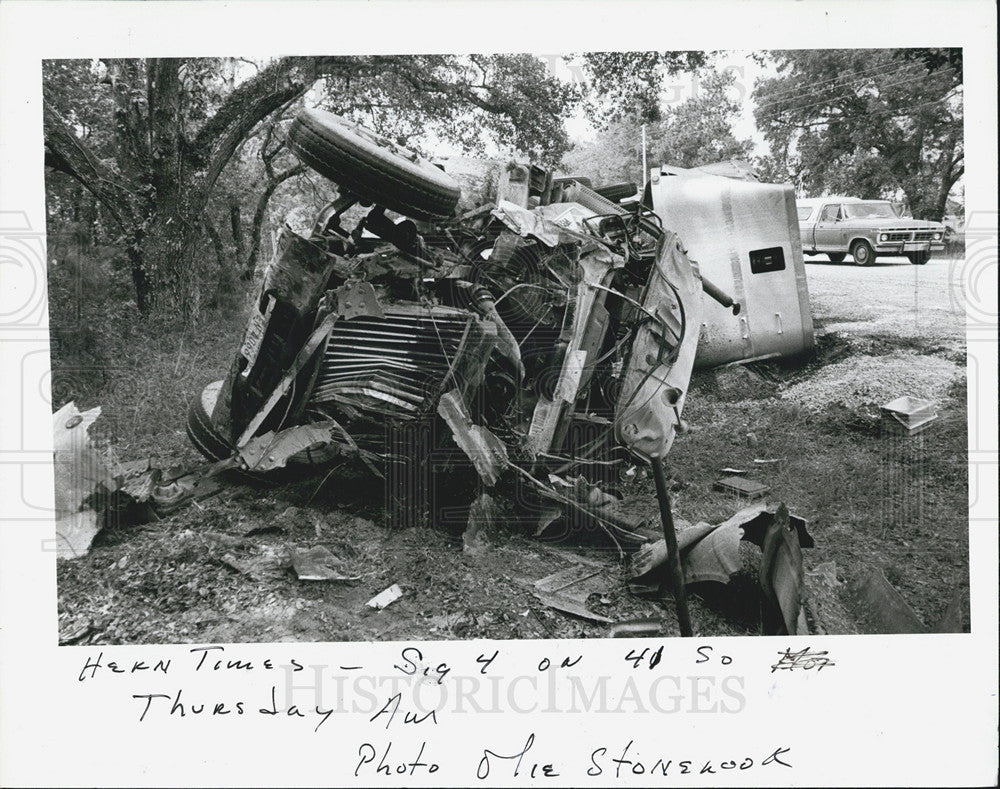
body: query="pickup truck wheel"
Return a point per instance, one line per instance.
(862, 252)
(371, 167)
(918, 258)
(837, 257)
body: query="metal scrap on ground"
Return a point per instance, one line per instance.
(385, 597)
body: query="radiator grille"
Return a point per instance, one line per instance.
(392, 364)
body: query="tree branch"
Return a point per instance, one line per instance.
(260, 212)
(64, 151)
(273, 88)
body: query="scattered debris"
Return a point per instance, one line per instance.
(243, 568)
(736, 471)
(781, 578)
(385, 597)
(713, 553)
(908, 415)
(319, 564)
(81, 481)
(825, 573)
(480, 517)
(638, 628)
(879, 607)
(746, 488)
(765, 461)
(568, 590)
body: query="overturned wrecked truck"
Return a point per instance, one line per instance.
(522, 331)
(546, 321)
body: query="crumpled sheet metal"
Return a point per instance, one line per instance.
(712, 553)
(79, 474)
(568, 590)
(649, 408)
(782, 578)
(487, 452)
(318, 564)
(273, 450)
(549, 415)
(545, 223)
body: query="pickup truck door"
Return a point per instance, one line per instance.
(830, 230)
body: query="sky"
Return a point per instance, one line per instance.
(681, 88)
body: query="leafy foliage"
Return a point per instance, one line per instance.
(175, 150)
(694, 132)
(869, 123)
(629, 85)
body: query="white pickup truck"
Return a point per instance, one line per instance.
(837, 226)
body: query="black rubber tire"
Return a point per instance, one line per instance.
(862, 252)
(206, 438)
(372, 168)
(215, 446)
(836, 257)
(918, 258)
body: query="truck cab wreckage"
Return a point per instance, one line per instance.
(550, 329)
(484, 326)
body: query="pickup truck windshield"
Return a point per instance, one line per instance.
(869, 210)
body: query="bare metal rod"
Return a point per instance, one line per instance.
(673, 555)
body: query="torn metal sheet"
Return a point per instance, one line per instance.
(715, 557)
(879, 607)
(80, 477)
(552, 414)
(711, 552)
(547, 224)
(385, 597)
(654, 385)
(485, 450)
(274, 450)
(781, 578)
(568, 590)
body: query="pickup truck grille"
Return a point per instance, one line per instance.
(911, 235)
(394, 364)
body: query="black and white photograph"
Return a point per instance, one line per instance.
(451, 393)
(508, 346)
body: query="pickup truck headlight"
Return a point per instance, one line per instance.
(883, 237)
(937, 236)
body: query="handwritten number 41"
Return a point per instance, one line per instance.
(636, 660)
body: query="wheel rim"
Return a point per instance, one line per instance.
(861, 254)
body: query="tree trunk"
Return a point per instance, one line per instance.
(236, 226)
(261, 212)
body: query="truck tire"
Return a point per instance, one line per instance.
(207, 439)
(918, 258)
(862, 252)
(373, 168)
(215, 445)
(836, 257)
